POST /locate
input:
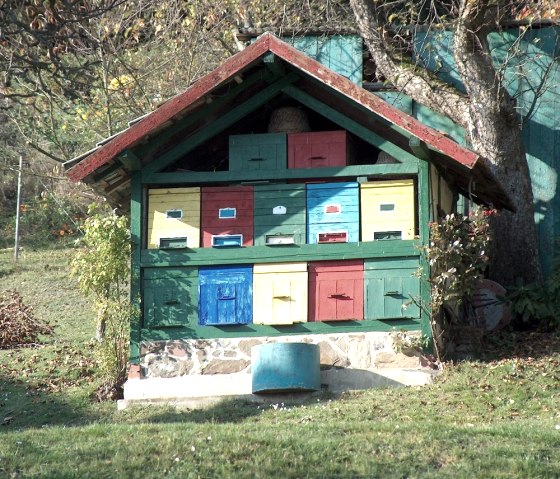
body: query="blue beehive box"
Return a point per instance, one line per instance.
(333, 213)
(225, 295)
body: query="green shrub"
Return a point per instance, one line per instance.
(102, 266)
(457, 257)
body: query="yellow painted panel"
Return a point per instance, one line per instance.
(183, 200)
(387, 206)
(279, 297)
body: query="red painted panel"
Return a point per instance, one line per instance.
(318, 149)
(336, 290)
(239, 201)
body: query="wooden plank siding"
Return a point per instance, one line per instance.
(163, 203)
(280, 293)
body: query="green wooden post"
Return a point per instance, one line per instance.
(135, 278)
(424, 232)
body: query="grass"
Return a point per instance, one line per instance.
(493, 418)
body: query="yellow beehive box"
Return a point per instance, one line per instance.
(280, 293)
(174, 218)
(387, 210)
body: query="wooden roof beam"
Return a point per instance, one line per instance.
(419, 148)
(190, 119)
(344, 122)
(228, 119)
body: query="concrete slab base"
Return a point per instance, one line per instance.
(203, 391)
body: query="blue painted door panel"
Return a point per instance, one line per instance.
(333, 212)
(225, 295)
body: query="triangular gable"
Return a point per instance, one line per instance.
(455, 158)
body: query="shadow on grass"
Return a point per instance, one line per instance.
(232, 410)
(22, 407)
(227, 411)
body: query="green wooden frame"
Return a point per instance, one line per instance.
(278, 253)
(151, 176)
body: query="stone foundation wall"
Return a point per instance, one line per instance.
(364, 351)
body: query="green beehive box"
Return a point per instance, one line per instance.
(264, 151)
(391, 289)
(279, 214)
(170, 297)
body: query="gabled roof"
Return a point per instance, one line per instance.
(102, 168)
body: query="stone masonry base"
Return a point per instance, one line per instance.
(203, 371)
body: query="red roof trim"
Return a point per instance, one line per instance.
(378, 106)
(169, 109)
(241, 60)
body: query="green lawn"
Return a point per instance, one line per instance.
(489, 419)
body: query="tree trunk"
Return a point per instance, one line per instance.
(514, 256)
(494, 132)
(486, 112)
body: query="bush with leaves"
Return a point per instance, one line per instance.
(18, 324)
(457, 254)
(102, 267)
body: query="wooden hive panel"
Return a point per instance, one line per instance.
(336, 290)
(170, 297)
(264, 151)
(225, 295)
(226, 212)
(387, 210)
(333, 212)
(391, 289)
(279, 213)
(279, 293)
(174, 213)
(318, 149)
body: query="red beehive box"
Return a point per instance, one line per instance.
(319, 149)
(336, 290)
(226, 216)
